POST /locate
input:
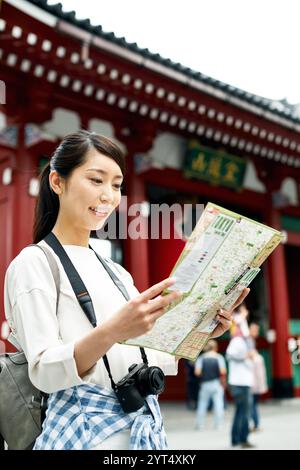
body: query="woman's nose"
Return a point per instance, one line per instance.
(106, 194)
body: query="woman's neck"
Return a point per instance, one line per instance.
(71, 236)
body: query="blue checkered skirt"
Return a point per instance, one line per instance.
(81, 417)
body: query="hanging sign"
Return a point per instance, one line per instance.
(215, 166)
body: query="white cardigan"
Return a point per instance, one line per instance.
(48, 338)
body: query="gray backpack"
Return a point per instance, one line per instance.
(22, 406)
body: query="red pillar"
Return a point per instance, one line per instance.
(138, 138)
(136, 250)
(17, 208)
(279, 315)
(23, 205)
(6, 233)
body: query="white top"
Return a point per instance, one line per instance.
(259, 385)
(240, 367)
(47, 338)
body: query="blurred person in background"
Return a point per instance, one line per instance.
(240, 355)
(259, 386)
(211, 369)
(192, 385)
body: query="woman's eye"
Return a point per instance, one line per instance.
(96, 180)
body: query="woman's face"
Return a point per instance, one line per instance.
(92, 192)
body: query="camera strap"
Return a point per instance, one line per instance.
(82, 293)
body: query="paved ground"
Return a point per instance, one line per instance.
(280, 422)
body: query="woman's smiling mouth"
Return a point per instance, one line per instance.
(99, 211)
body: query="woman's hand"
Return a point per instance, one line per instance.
(224, 317)
(134, 319)
(138, 316)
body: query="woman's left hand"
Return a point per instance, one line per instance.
(224, 317)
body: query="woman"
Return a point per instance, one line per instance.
(79, 189)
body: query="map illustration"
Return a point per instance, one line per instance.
(221, 257)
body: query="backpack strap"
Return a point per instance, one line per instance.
(40, 401)
(56, 276)
(76, 282)
(82, 293)
(54, 269)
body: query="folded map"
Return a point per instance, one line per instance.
(221, 257)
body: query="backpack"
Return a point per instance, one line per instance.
(22, 405)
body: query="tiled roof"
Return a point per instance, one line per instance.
(280, 108)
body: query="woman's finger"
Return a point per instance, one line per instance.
(155, 298)
(155, 290)
(220, 329)
(241, 298)
(157, 314)
(224, 313)
(162, 301)
(224, 321)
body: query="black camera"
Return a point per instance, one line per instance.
(140, 382)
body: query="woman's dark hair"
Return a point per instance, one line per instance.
(69, 155)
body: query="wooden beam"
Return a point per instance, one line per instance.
(145, 75)
(174, 179)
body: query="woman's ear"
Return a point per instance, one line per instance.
(56, 182)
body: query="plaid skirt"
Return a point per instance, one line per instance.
(81, 417)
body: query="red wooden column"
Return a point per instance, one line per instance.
(7, 160)
(279, 315)
(136, 251)
(23, 203)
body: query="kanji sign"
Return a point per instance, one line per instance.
(215, 166)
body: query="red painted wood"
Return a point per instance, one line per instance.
(293, 238)
(279, 304)
(24, 204)
(136, 252)
(90, 76)
(171, 178)
(293, 211)
(6, 232)
(176, 385)
(297, 391)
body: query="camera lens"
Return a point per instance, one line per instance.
(151, 381)
(156, 379)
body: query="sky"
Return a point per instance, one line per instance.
(250, 44)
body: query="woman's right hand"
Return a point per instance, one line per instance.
(134, 319)
(139, 314)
